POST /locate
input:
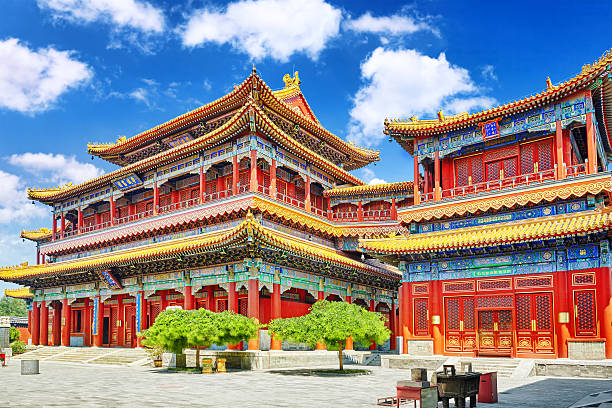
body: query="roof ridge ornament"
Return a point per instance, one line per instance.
(292, 82)
(549, 84)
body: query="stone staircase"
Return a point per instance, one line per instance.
(88, 355)
(372, 360)
(505, 367)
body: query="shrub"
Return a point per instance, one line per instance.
(14, 335)
(18, 347)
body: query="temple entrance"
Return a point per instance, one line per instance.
(534, 323)
(495, 332)
(460, 324)
(105, 330)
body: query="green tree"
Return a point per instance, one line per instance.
(175, 330)
(14, 334)
(332, 323)
(13, 307)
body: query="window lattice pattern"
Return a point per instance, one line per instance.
(222, 306)
(585, 312)
(501, 153)
(462, 172)
(468, 314)
(523, 312)
(452, 314)
(494, 284)
(584, 279)
(533, 282)
(545, 160)
(420, 315)
(492, 302)
(243, 307)
(477, 176)
(527, 158)
(493, 171)
(486, 320)
(510, 167)
(458, 287)
(505, 320)
(543, 312)
(419, 289)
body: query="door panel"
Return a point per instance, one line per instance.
(421, 317)
(495, 332)
(114, 330)
(584, 313)
(130, 313)
(534, 323)
(459, 324)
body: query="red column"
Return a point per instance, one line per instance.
(97, 338)
(202, 184)
(436, 310)
(275, 312)
(253, 308)
(372, 309)
(392, 312)
(559, 156)
(253, 185)
(44, 324)
(80, 221)
(360, 212)
(416, 178)
(63, 224)
(393, 209)
(349, 341)
(30, 322)
(65, 322)
(35, 327)
(329, 211)
(273, 179)
(112, 209)
(606, 302)
(235, 174)
(591, 144)
(437, 192)
(54, 228)
(405, 311)
(155, 198)
(307, 193)
(189, 303)
(56, 325)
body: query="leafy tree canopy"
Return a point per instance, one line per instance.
(13, 307)
(14, 334)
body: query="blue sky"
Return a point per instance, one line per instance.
(79, 71)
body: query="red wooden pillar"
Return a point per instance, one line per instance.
(253, 308)
(202, 183)
(559, 155)
(436, 310)
(591, 144)
(56, 325)
(30, 322)
(273, 179)
(405, 311)
(253, 181)
(112, 210)
(393, 209)
(80, 221)
(35, 327)
(437, 190)
(44, 324)
(87, 323)
(97, 338)
(155, 198)
(329, 210)
(235, 175)
(360, 212)
(349, 341)
(66, 309)
(561, 295)
(372, 309)
(307, 194)
(605, 295)
(275, 312)
(392, 322)
(189, 303)
(54, 227)
(416, 178)
(62, 224)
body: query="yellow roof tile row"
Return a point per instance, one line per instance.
(492, 235)
(402, 186)
(19, 293)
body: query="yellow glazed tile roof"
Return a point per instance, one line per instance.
(403, 186)
(552, 93)
(36, 235)
(250, 231)
(19, 293)
(493, 235)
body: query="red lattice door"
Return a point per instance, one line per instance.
(495, 332)
(222, 305)
(468, 171)
(243, 307)
(421, 317)
(534, 323)
(584, 313)
(114, 316)
(537, 152)
(460, 324)
(130, 326)
(154, 310)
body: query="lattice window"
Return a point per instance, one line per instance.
(502, 153)
(493, 170)
(505, 320)
(510, 167)
(543, 312)
(527, 158)
(420, 317)
(244, 179)
(459, 287)
(222, 305)
(469, 321)
(420, 289)
(494, 284)
(468, 167)
(584, 279)
(540, 152)
(523, 312)
(462, 172)
(452, 314)
(545, 156)
(243, 307)
(486, 320)
(584, 302)
(493, 302)
(533, 282)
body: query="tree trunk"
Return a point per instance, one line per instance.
(340, 359)
(197, 356)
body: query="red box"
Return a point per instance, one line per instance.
(487, 389)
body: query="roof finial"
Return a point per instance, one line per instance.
(549, 84)
(440, 115)
(254, 71)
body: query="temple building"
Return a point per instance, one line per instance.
(508, 252)
(235, 206)
(499, 247)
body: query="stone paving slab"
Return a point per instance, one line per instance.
(71, 385)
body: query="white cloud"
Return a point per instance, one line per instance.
(265, 28)
(396, 24)
(404, 83)
(14, 204)
(369, 177)
(32, 81)
(133, 14)
(488, 72)
(55, 168)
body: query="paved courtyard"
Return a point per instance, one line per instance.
(69, 385)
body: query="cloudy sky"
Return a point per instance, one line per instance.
(79, 71)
